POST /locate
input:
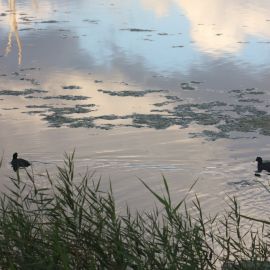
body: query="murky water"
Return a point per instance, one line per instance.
(140, 88)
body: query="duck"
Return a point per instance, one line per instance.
(17, 163)
(263, 165)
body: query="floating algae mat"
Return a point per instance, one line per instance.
(63, 97)
(130, 93)
(24, 92)
(225, 118)
(248, 112)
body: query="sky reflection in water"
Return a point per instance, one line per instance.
(210, 29)
(188, 60)
(164, 48)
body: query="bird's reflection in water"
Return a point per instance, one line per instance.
(35, 4)
(14, 28)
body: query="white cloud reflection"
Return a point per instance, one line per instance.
(160, 7)
(215, 26)
(219, 26)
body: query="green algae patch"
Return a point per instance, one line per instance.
(112, 117)
(59, 120)
(137, 30)
(24, 92)
(173, 98)
(10, 109)
(245, 110)
(249, 119)
(240, 116)
(156, 121)
(71, 87)
(161, 104)
(57, 116)
(189, 86)
(62, 97)
(50, 21)
(67, 97)
(251, 100)
(34, 112)
(130, 93)
(39, 106)
(211, 135)
(70, 110)
(252, 123)
(86, 122)
(241, 93)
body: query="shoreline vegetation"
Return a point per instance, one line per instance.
(71, 225)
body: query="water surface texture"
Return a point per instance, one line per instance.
(140, 88)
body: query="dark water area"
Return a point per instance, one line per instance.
(140, 89)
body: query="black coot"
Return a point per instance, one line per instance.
(263, 165)
(17, 163)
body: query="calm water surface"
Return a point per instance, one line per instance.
(140, 88)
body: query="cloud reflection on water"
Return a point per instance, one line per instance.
(216, 27)
(63, 58)
(219, 26)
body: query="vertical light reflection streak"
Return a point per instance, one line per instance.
(14, 30)
(35, 4)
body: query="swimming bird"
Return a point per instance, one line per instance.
(17, 163)
(263, 165)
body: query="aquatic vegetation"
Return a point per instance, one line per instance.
(78, 225)
(32, 81)
(156, 121)
(180, 46)
(211, 135)
(91, 21)
(30, 69)
(164, 103)
(66, 97)
(35, 112)
(174, 98)
(9, 109)
(71, 87)
(251, 100)
(188, 113)
(241, 93)
(86, 122)
(44, 106)
(58, 120)
(70, 110)
(196, 82)
(246, 118)
(136, 30)
(63, 97)
(187, 86)
(251, 123)
(24, 92)
(130, 93)
(58, 117)
(50, 21)
(26, 29)
(247, 110)
(111, 117)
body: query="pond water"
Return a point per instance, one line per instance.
(141, 89)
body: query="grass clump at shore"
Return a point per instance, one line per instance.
(76, 225)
